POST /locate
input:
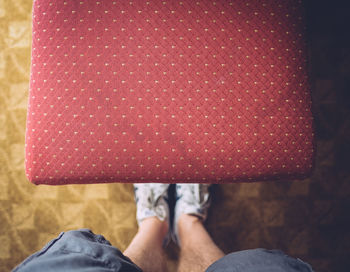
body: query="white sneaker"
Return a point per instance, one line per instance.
(191, 198)
(151, 200)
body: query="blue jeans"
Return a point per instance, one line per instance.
(82, 250)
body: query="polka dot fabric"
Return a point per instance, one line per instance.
(168, 91)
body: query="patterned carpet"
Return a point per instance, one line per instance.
(308, 219)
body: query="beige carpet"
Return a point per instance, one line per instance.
(307, 219)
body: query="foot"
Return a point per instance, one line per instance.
(151, 200)
(192, 199)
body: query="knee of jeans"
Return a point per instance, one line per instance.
(277, 254)
(260, 257)
(86, 234)
(79, 233)
(264, 251)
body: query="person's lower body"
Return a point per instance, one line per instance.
(82, 250)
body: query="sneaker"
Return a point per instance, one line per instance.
(151, 200)
(191, 198)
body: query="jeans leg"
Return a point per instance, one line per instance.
(78, 250)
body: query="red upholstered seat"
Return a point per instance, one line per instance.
(168, 91)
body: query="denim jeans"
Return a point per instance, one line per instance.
(82, 250)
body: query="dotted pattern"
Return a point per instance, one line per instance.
(168, 91)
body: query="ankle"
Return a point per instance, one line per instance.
(186, 220)
(187, 223)
(154, 226)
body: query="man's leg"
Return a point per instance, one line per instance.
(198, 251)
(152, 214)
(145, 250)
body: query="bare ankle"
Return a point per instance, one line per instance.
(186, 224)
(154, 225)
(187, 220)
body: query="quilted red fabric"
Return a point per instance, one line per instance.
(168, 91)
